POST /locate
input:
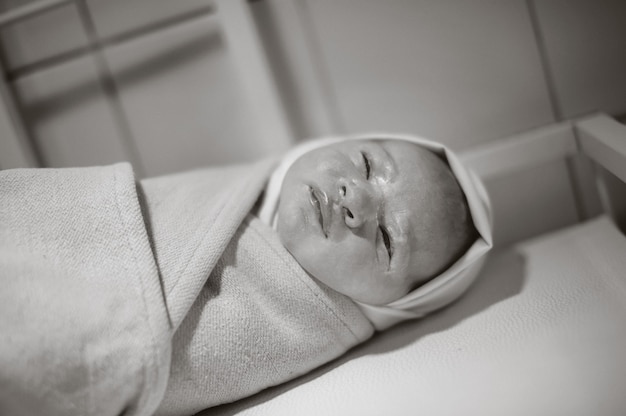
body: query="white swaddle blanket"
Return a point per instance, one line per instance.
(442, 289)
(161, 296)
(166, 295)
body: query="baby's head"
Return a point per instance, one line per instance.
(373, 219)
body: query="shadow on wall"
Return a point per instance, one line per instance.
(502, 278)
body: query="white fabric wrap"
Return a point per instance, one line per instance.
(161, 296)
(442, 289)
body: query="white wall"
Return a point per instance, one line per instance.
(459, 71)
(585, 44)
(463, 71)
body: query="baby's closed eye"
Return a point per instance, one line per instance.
(387, 240)
(366, 164)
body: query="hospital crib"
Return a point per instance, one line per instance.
(541, 332)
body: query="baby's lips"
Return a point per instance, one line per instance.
(326, 211)
(318, 201)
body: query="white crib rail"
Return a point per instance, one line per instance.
(603, 139)
(599, 137)
(15, 149)
(523, 151)
(28, 10)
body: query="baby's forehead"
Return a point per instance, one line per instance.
(372, 140)
(416, 150)
(415, 166)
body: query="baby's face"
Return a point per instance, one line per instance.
(356, 216)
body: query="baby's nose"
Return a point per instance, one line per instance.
(359, 202)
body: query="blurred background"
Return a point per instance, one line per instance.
(172, 85)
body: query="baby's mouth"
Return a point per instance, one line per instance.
(319, 207)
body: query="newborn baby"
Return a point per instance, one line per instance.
(174, 289)
(377, 218)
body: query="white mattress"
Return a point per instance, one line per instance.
(542, 332)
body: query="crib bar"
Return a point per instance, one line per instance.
(523, 151)
(30, 10)
(256, 77)
(604, 140)
(15, 148)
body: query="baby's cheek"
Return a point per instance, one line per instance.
(290, 239)
(319, 258)
(345, 257)
(299, 241)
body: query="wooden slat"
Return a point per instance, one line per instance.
(15, 150)
(523, 151)
(317, 113)
(604, 140)
(256, 77)
(30, 10)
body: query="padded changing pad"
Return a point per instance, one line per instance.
(541, 332)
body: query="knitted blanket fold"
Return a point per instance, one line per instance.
(161, 296)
